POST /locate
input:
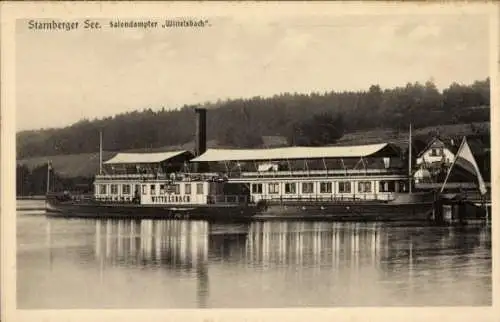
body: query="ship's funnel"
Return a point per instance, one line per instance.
(201, 131)
(201, 138)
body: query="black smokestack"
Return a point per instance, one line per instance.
(201, 131)
(201, 138)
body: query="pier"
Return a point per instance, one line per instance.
(462, 209)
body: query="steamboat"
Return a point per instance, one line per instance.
(359, 183)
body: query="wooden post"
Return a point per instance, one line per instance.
(409, 162)
(447, 213)
(48, 177)
(100, 152)
(462, 211)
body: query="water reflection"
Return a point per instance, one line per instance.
(351, 256)
(308, 244)
(147, 242)
(177, 245)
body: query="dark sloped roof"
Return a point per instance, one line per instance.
(453, 142)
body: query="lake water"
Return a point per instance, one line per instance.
(75, 263)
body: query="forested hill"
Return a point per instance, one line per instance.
(301, 118)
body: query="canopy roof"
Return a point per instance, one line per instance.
(157, 157)
(291, 153)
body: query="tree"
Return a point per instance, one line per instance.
(320, 129)
(240, 138)
(282, 114)
(23, 182)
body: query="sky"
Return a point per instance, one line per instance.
(63, 77)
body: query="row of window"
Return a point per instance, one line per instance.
(126, 189)
(326, 187)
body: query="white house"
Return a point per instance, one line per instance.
(436, 151)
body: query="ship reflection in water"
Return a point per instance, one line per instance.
(175, 245)
(194, 264)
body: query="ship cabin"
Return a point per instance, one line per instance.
(162, 178)
(365, 172)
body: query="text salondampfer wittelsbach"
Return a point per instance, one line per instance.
(94, 24)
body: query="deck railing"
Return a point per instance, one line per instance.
(129, 176)
(450, 185)
(313, 173)
(210, 199)
(163, 176)
(252, 174)
(323, 198)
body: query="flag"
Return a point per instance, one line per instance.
(49, 165)
(465, 159)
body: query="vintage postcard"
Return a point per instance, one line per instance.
(248, 161)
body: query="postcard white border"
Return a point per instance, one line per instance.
(12, 11)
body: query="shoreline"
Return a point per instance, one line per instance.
(37, 197)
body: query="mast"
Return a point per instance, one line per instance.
(100, 151)
(409, 161)
(48, 177)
